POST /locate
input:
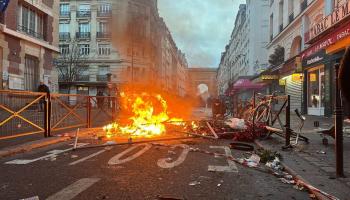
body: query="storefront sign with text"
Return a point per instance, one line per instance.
(337, 35)
(329, 21)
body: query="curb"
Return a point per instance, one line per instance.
(293, 173)
(31, 145)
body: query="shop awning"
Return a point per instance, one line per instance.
(246, 84)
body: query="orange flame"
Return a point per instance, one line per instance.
(149, 116)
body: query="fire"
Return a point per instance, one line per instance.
(149, 114)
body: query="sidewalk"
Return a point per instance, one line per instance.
(315, 162)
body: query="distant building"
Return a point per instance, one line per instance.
(124, 40)
(28, 45)
(246, 52)
(205, 76)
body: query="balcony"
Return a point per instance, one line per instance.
(64, 36)
(30, 32)
(103, 78)
(82, 78)
(271, 37)
(102, 35)
(291, 17)
(83, 35)
(303, 5)
(83, 14)
(104, 13)
(280, 28)
(65, 14)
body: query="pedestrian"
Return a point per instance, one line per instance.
(45, 89)
(100, 99)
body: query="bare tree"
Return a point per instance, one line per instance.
(71, 63)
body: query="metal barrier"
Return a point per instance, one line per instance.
(24, 113)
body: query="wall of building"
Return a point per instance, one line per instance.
(20, 42)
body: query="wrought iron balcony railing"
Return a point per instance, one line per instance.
(65, 14)
(291, 17)
(103, 35)
(84, 13)
(103, 78)
(104, 13)
(83, 35)
(64, 36)
(30, 32)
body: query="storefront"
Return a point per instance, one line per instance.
(314, 87)
(291, 79)
(327, 47)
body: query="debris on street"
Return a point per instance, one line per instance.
(193, 183)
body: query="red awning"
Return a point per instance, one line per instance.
(246, 84)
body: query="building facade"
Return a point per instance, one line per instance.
(246, 53)
(29, 44)
(118, 43)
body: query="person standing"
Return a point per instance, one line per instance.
(45, 89)
(100, 99)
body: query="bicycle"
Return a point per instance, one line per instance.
(263, 117)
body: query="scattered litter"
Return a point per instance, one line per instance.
(53, 159)
(298, 187)
(268, 155)
(194, 149)
(169, 159)
(287, 181)
(235, 123)
(193, 183)
(321, 152)
(74, 156)
(219, 185)
(110, 143)
(253, 161)
(31, 198)
(275, 164)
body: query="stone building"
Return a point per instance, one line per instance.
(121, 39)
(246, 53)
(28, 44)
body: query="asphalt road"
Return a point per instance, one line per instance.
(137, 172)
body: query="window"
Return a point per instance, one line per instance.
(103, 27)
(32, 23)
(104, 49)
(84, 49)
(105, 8)
(63, 28)
(84, 27)
(64, 49)
(64, 9)
(84, 8)
(103, 70)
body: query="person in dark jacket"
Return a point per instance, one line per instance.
(43, 88)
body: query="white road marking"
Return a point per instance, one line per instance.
(51, 154)
(74, 189)
(87, 157)
(116, 159)
(164, 164)
(231, 165)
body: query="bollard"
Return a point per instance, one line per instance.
(88, 112)
(338, 117)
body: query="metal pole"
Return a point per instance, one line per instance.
(288, 130)
(338, 117)
(88, 112)
(46, 129)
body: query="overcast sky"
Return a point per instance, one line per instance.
(200, 28)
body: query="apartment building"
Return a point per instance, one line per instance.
(85, 42)
(246, 53)
(29, 44)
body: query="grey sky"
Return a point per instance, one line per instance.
(200, 28)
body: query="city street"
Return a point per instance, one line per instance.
(56, 172)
